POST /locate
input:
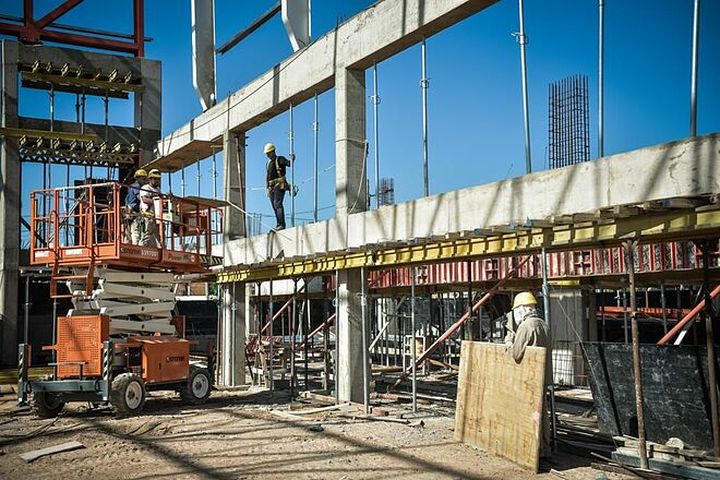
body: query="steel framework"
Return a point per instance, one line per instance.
(33, 30)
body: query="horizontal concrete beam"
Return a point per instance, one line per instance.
(373, 35)
(686, 168)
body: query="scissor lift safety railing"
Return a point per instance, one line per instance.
(84, 226)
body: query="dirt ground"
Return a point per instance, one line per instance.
(236, 436)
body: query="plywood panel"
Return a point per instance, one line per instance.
(500, 402)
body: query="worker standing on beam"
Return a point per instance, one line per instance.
(133, 220)
(149, 209)
(276, 183)
(527, 329)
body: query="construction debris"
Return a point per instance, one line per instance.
(63, 447)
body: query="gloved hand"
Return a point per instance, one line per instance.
(292, 157)
(509, 340)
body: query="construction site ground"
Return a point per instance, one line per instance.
(240, 434)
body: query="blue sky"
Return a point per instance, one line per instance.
(475, 109)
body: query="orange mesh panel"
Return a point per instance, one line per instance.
(80, 339)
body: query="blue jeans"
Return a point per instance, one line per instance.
(277, 195)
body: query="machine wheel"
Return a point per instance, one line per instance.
(127, 394)
(197, 389)
(47, 404)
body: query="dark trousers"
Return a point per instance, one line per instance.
(277, 195)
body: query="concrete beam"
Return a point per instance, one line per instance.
(686, 168)
(375, 34)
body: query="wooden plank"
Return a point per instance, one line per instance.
(500, 402)
(320, 409)
(63, 447)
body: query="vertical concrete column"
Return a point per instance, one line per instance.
(10, 192)
(148, 107)
(349, 337)
(350, 141)
(233, 328)
(234, 184)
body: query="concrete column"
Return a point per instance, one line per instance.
(349, 337)
(233, 341)
(350, 141)
(148, 107)
(10, 192)
(234, 185)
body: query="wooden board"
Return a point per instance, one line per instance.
(63, 447)
(500, 402)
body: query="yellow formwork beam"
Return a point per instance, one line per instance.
(671, 225)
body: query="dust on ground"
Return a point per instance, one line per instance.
(237, 436)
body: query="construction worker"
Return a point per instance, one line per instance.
(133, 221)
(149, 209)
(276, 183)
(527, 329)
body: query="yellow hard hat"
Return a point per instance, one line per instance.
(524, 298)
(154, 173)
(140, 173)
(269, 147)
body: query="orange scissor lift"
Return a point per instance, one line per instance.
(121, 338)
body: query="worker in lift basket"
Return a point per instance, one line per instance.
(525, 329)
(133, 220)
(276, 183)
(149, 208)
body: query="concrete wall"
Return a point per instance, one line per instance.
(684, 168)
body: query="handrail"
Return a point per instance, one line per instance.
(101, 221)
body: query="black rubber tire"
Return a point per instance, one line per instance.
(47, 404)
(126, 389)
(198, 387)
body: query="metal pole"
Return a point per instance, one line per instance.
(27, 309)
(424, 84)
(198, 175)
(182, 182)
(663, 304)
(694, 78)
(292, 340)
(316, 160)
(601, 79)
(413, 347)
(306, 331)
(337, 335)
(710, 342)
(363, 319)
(272, 355)
(637, 374)
(546, 313)
(522, 40)
(291, 136)
(326, 346)
(376, 154)
(214, 173)
(218, 335)
(625, 315)
(233, 339)
(258, 344)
